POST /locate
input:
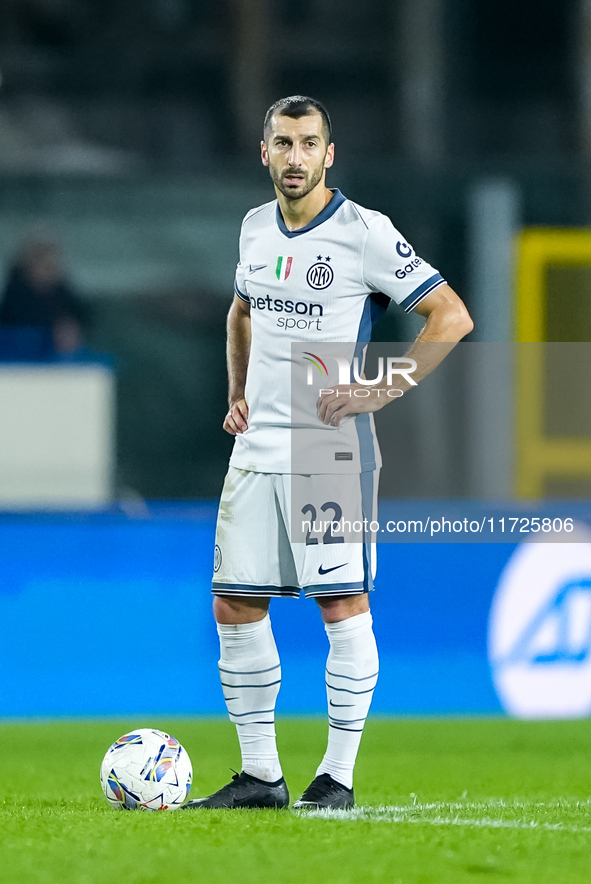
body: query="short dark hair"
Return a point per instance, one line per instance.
(297, 106)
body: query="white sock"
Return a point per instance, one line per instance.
(351, 675)
(250, 673)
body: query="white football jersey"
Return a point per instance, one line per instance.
(325, 284)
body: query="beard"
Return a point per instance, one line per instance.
(308, 182)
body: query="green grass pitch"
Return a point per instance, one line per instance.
(438, 802)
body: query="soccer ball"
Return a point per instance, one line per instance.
(146, 769)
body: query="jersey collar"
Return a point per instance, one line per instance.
(327, 212)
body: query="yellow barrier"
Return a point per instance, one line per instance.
(541, 457)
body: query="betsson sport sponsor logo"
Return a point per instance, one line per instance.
(539, 634)
(313, 312)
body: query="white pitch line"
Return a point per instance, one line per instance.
(412, 813)
(502, 802)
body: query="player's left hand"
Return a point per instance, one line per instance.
(344, 399)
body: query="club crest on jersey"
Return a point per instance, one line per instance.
(320, 275)
(283, 268)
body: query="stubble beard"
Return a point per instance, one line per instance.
(307, 185)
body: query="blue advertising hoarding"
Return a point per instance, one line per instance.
(107, 614)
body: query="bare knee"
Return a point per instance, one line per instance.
(334, 610)
(231, 610)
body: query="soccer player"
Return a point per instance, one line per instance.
(314, 268)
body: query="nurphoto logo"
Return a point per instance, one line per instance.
(401, 366)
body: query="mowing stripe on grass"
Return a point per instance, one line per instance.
(420, 814)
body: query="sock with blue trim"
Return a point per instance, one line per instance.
(351, 675)
(250, 673)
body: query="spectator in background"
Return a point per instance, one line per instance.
(40, 318)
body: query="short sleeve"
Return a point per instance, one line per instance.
(239, 286)
(391, 266)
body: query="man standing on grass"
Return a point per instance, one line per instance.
(314, 268)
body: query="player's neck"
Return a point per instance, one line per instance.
(299, 213)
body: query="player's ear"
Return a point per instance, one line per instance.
(329, 158)
(264, 154)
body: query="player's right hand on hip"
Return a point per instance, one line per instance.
(236, 418)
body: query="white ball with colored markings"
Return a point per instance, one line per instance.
(146, 769)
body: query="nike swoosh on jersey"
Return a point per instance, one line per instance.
(252, 268)
(322, 570)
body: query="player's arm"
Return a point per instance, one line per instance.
(237, 354)
(448, 321)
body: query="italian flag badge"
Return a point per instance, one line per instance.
(283, 268)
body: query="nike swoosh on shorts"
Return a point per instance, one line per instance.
(322, 570)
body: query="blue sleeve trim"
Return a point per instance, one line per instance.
(240, 295)
(422, 291)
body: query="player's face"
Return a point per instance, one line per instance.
(296, 154)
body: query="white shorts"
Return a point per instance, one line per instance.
(278, 534)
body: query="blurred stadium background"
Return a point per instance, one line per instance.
(129, 136)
